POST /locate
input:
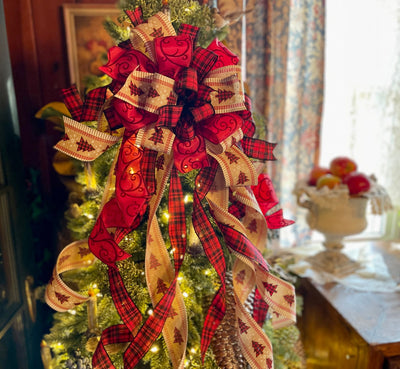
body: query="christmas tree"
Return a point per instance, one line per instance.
(171, 217)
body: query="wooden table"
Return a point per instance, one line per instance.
(347, 329)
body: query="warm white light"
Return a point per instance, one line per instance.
(185, 294)
(154, 349)
(72, 312)
(150, 312)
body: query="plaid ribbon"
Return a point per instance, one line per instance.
(147, 167)
(127, 309)
(281, 295)
(135, 16)
(90, 109)
(72, 99)
(258, 149)
(213, 250)
(260, 308)
(203, 61)
(177, 219)
(158, 268)
(115, 334)
(191, 31)
(150, 330)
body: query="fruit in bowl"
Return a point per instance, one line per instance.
(316, 173)
(341, 166)
(358, 183)
(342, 170)
(328, 180)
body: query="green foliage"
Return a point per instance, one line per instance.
(181, 11)
(284, 341)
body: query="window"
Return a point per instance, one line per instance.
(361, 117)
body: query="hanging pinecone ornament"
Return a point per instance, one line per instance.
(225, 344)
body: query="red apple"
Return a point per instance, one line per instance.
(315, 173)
(357, 182)
(342, 166)
(328, 180)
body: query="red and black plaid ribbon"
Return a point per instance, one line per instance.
(186, 85)
(90, 109)
(202, 112)
(213, 249)
(258, 149)
(73, 101)
(236, 208)
(242, 245)
(115, 334)
(187, 29)
(169, 115)
(203, 61)
(135, 16)
(260, 308)
(177, 219)
(148, 167)
(129, 314)
(93, 104)
(248, 126)
(150, 330)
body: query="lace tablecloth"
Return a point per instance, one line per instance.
(373, 274)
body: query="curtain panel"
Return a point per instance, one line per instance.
(285, 67)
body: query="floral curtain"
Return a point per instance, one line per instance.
(285, 66)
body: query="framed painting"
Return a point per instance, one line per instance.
(87, 39)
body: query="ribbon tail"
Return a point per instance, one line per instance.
(159, 271)
(213, 250)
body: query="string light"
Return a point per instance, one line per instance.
(72, 312)
(150, 312)
(154, 349)
(185, 294)
(166, 215)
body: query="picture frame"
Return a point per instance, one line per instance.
(86, 38)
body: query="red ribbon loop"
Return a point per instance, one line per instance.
(173, 53)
